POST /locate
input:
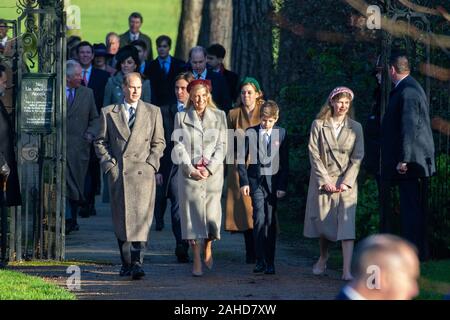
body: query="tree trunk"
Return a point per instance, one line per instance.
(252, 42)
(189, 27)
(221, 22)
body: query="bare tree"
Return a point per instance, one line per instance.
(221, 25)
(252, 41)
(189, 27)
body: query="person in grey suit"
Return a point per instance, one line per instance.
(135, 21)
(129, 145)
(407, 153)
(82, 126)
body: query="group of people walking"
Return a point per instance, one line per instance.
(168, 131)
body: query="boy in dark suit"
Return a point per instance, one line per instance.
(264, 179)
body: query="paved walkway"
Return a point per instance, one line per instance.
(230, 278)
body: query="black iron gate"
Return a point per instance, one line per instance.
(36, 229)
(421, 38)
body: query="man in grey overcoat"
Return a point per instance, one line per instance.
(129, 145)
(82, 127)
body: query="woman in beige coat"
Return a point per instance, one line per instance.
(239, 211)
(200, 137)
(336, 149)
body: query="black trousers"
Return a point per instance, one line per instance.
(160, 205)
(264, 224)
(413, 211)
(132, 252)
(175, 211)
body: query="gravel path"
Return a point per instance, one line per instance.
(230, 278)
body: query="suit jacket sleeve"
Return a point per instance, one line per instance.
(157, 143)
(108, 93)
(242, 167)
(102, 146)
(355, 159)
(93, 116)
(146, 92)
(284, 164)
(317, 166)
(410, 122)
(180, 154)
(220, 150)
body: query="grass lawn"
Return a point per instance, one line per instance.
(19, 286)
(102, 16)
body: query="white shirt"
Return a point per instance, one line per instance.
(352, 293)
(398, 82)
(127, 108)
(338, 129)
(263, 131)
(88, 72)
(202, 75)
(134, 36)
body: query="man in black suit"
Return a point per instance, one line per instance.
(162, 72)
(96, 80)
(215, 55)
(167, 185)
(407, 152)
(220, 91)
(265, 181)
(385, 268)
(8, 164)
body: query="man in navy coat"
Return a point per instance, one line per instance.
(407, 152)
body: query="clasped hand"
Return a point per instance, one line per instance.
(332, 188)
(199, 174)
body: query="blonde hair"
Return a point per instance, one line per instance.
(327, 109)
(269, 109)
(209, 101)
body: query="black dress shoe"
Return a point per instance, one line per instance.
(250, 260)
(260, 267)
(270, 270)
(84, 212)
(181, 251)
(137, 272)
(125, 271)
(159, 226)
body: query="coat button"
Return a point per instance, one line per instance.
(146, 139)
(125, 156)
(125, 173)
(139, 172)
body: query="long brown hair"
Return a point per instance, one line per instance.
(327, 109)
(259, 100)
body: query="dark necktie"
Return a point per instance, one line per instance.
(132, 117)
(71, 97)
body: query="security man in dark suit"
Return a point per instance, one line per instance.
(263, 176)
(167, 185)
(407, 152)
